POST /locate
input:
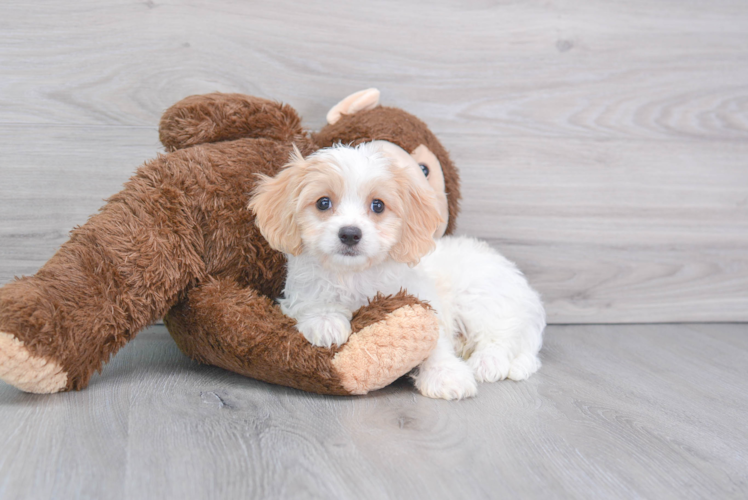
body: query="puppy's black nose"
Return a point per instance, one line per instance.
(349, 235)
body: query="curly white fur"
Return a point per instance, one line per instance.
(491, 321)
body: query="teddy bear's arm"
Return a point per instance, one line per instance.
(220, 117)
(222, 324)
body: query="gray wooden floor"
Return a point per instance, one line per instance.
(636, 411)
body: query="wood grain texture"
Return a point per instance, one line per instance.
(602, 145)
(617, 411)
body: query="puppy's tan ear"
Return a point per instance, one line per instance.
(435, 177)
(420, 219)
(274, 205)
(361, 100)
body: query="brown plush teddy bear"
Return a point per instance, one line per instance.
(178, 242)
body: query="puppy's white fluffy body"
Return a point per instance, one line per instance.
(355, 222)
(494, 319)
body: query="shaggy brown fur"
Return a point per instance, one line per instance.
(178, 242)
(200, 119)
(226, 325)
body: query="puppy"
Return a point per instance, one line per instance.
(355, 222)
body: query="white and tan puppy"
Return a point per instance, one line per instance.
(355, 222)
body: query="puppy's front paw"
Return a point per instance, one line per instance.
(326, 329)
(453, 380)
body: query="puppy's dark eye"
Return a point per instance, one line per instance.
(377, 206)
(424, 168)
(324, 203)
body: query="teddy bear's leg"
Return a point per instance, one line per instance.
(222, 324)
(219, 117)
(119, 272)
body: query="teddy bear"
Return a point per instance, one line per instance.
(179, 243)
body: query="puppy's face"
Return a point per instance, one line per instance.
(349, 207)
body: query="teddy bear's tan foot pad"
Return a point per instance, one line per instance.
(20, 368)
(382, 352)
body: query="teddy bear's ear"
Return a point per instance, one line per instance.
(361, 100)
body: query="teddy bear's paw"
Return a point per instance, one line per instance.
(382, 351)
(27, 372)
(326, 329)
(446, 380)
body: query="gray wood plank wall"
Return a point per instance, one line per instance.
(603, 145)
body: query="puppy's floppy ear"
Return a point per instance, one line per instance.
(420, 218)
(274, 205)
